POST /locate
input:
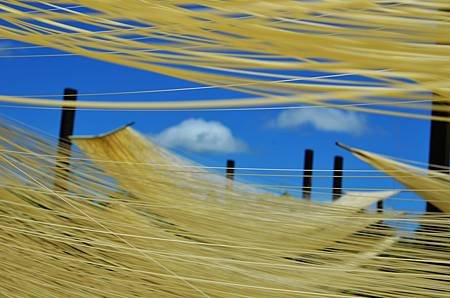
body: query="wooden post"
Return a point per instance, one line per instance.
(230, 173)
(380, 206)
(337, 177)
(307, 174)
(64, 142)
(439, 144)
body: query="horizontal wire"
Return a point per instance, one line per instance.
(134, 202)
(189, 166)
(291, 79)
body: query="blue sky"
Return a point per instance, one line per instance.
(266, 144)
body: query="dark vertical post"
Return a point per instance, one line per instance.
(307, 174)
(230, 173)
(439, 144)
(64, 142)
(337, 177)
(380, 206)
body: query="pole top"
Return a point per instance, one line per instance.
(70, 91)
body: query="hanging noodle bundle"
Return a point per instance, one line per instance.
(390, 56)
(127, 218)
(432, 185)
(120, 216)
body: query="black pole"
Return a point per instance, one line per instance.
(230, 169)
(380, 206)
(230, 172)
(337, 177)
(307, 174)
(439, 144)
(64, 142)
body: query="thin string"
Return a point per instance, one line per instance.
(162, 165)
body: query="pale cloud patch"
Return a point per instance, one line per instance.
(201, 136)
(323, 119)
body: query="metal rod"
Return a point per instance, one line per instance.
(230, 173)
(64, 143)
(439, 144)
(307, 174)
(380, 206)
(337, 177)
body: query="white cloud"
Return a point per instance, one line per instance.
(201, 136)
(324, 119)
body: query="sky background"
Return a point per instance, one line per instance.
(267, 138)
